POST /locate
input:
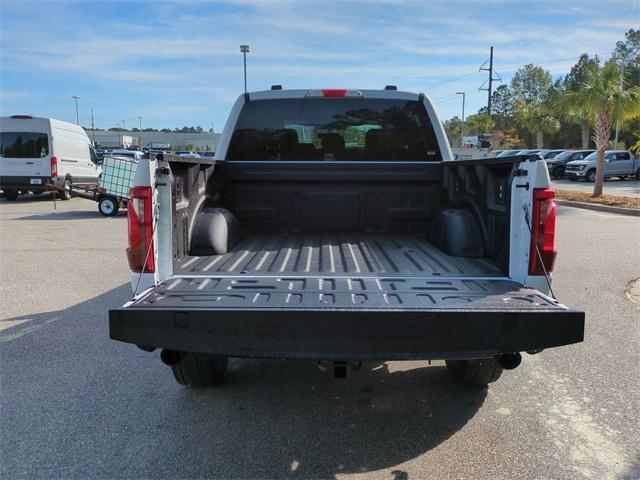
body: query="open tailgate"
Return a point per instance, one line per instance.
(345, 318)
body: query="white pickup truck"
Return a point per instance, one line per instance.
(334, 225)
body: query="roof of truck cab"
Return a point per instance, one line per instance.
(300, 93)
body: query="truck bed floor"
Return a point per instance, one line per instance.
(336, 253)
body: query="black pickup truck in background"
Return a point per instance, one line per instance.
(333, 225)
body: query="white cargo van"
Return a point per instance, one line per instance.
(40, 152)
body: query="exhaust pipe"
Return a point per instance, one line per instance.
(339, 369)
(170, 357)
(509, 361)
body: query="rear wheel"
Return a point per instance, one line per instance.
(558, 173)
(11, 194)
(591, 175)
(200, 370)
(478, 371)
(108, 206)
(65, 193)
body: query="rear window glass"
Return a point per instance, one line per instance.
(24, 145)
(334, 129)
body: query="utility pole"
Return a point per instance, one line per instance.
(462, 131)
(489, 88)
(140, 136)
(245, 49)
(76, 98)
(213, 138)
(93, 129)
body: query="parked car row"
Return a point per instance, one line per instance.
(581, 164)
(102, 152)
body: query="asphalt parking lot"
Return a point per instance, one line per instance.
(612, 186)
(75, 404)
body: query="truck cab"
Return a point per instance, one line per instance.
(333, 225)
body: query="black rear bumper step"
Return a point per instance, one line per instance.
(394, 319)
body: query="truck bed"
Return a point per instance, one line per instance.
(337, 253)
(343, 296)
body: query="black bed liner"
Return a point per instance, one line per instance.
(349, 253)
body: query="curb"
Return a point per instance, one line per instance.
(599, 208)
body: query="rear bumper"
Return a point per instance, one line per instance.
(348, 334)
(24, 183)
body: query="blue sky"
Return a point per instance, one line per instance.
(178, 63)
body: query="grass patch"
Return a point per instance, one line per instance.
(632, 203)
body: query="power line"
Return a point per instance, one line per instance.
(557, 60)
(452, 80)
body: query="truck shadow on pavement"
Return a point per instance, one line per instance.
(83, 406)
(67, 215)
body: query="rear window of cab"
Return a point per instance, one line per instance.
(333, 129)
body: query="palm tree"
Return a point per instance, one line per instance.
(582, 118)
(540, 121)
(479, 123)
(604, 96)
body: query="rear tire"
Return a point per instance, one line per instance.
(11, 195)
(558, 173)
(108, 206)
(200, 370)
(65, 193)
(478, 371)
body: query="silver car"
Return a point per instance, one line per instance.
(617, 163)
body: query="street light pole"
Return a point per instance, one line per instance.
(76, 98)
(140, 143)
(93, 129)
(245, 49)
(462, 132)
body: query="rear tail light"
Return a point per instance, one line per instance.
(140, 251)
(543, 229)
(54, 166)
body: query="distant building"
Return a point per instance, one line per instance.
(176, 140)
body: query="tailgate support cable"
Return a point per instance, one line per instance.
(538, 252)
(146, 257)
